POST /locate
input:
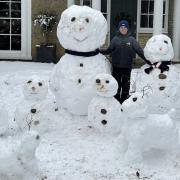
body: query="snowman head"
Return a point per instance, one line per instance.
(159, 48)
(82, 29)
(106, 85)
(35, 89)
(136, 105)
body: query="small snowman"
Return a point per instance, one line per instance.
(104, 111)
(161, 76)
(32, 112)
(4, 123)
(22, 164)
(143, 133)
(81, 31)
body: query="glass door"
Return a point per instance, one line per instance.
(13, 41)
(10, 25)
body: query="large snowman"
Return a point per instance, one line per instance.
(81, 31)
(161, 76)
(104, 111)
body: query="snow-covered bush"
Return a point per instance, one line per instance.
(46, 22)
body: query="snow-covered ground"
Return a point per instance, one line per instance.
(73, 150)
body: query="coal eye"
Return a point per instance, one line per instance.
(98, 81)
(37, 137)
(134, 99)
(107, 81)
(165, 42)
(73, 19)
(87, 20)
(29, 82)
(40, 84)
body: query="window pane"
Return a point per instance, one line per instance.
(104, 6)
(151, 21)
(144, 6)
(4, 26)
(16, 26)
(164, 7)
(144, 21)
(163, 25)
(87, 3)
(4, 9)
(15, 42)
(16, 10)
(4, 42)
(151, 7)
(105, 15)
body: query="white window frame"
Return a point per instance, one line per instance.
(25, 52)
(150, 30)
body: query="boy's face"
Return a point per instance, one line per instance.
(123, 30)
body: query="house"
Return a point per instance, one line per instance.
(19, 36)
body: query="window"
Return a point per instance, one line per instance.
(15, 29)
(103, 6)
(10, 25)
(86, 3)
(147, 15)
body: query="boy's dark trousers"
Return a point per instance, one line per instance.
(122, 75)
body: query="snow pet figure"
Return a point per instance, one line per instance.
(145, 133)
(161, 76)
(81, 31)
(4, 123)
(22, 164)
(32, 112)
(104, 111)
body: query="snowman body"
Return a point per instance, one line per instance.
(104, 111)
(162, 82)
(21, 163)
(143, 133)
(32, 112)
(71, 80)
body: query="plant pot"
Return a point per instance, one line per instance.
(46, 53)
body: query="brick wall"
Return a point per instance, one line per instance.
(170, 18)
(54, 7)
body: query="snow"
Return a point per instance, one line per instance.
(104, 111)
(159, 48)
(73, 149)
(82, 28)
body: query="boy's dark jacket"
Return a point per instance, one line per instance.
(122, 49)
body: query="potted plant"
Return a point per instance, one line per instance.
(45, 51)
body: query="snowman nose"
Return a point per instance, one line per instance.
(160, 48)
(81, 28)
(33, 88)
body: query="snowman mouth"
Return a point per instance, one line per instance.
(34, 93)
(80, 40)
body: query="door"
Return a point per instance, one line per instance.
(15, 29)
(123, 9)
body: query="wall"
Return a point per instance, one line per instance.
(54, 7)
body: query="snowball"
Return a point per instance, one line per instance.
(82, 28)
(159, 48)
(35, 89)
